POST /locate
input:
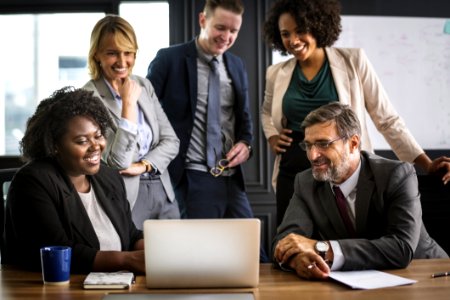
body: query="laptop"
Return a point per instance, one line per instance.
(206, 296)
(202, 253)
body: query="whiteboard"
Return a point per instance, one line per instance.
(412, 58)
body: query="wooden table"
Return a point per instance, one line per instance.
(274, 284)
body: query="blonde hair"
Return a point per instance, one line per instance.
(124, 37)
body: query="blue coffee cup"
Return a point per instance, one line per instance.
(55, 263)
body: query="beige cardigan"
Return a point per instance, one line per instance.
(358, 86)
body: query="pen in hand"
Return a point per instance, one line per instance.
(440, 274)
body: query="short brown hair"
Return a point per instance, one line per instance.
(347, 122)
(235, 6)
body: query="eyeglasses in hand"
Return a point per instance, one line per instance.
(320, 145)
(219, 168)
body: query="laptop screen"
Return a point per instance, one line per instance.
(194, 253)
(225, 296)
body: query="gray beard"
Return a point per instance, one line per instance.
(333, 173)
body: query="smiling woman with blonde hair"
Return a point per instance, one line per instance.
(142, 142)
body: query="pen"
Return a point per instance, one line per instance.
(440, 274)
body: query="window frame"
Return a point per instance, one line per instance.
(11, 7)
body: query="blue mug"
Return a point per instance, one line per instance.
(55, 263)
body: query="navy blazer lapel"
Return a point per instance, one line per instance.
(235, 71)
(234, 74)
(364, 192)
(191, 66)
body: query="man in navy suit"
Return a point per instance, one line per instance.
(378, 224)
(180, 75)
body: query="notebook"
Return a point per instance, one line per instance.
(202, 253)
(108, 280)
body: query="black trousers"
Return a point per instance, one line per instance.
(293, 161)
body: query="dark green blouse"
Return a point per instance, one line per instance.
(303, 96)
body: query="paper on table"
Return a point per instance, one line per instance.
(369, 279)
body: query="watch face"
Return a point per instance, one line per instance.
(322, 246)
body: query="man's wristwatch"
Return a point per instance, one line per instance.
(322, 247)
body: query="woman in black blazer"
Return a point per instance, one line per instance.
(66, 196)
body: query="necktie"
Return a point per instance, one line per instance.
(213, 132)
(343, 211)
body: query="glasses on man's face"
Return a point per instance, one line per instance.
(219, 168)
(320, 145)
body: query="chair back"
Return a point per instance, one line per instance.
(435, 200)
(6, 176)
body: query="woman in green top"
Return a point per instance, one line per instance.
(318, 74)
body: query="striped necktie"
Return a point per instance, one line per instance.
(213, 128)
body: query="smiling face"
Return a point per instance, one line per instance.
(79, 150)
(337, 162)
(115, 62)
(297, 42)
(218, 31)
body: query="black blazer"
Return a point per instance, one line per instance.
(173, 74)
(389, 227)
(43, 208)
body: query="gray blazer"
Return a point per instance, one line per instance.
(389, 227)
(122, 149)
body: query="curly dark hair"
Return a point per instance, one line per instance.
(48, 124)
(320, 18)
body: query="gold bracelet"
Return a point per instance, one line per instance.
(147, 165)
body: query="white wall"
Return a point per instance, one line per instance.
(412, 59)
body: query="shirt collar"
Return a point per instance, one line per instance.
(113, 91)
(350, 184)
(204, 56)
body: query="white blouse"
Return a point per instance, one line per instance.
(106, 233)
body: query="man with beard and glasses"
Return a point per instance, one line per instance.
(352, 210)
